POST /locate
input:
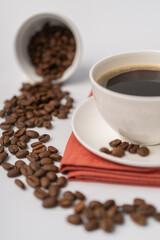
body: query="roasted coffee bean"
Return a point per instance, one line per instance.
(69, 195)
(45, 182)
(65, 203)
(44, 154)
(8, 133)
(61, 181)
(14, 172)
(105, 150)
(118, 152)
(124, 145)
(157, 216)
(138, 201)
(147, 210)
(33, 181)
(22, 145)
(47, 124)
(24, 138)
(19, 163)
(52, 176)
(32, 134)
(14, 141)
(99, 212)
(30, 124)
(52, 149)
(115, 143)
(26, 170)
(74, 219)
(55, 157)
(2, 113)
(40, 194)
(49, 202)
(1, 149)
(91, 225)
(34, 144)
(109, 203)
(44, 138)
(132, 148)
(88, 213)
(127, 208)
(44, 161)
(139, 219)
(19, 183)
(22, 154)
(54, 190)
(5, 126)
(20, 132)
(112, 211)
(79, 207)
(37, 146)
(39, 149)
(4, 140)
(7, 166)
(50, 167)
(34, 165)
(40, 172)
(32, 157)
(143, 151)
(3, 157)
(118, 218)
(10, 119)
(93, 204)
(107, 224)
(79, 195)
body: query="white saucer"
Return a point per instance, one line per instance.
(93, 132)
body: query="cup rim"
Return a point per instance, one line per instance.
(116, 94)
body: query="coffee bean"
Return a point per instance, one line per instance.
(24, 138)
(8, 133)
(79, 207)
(7, 166)
(65, 203)
(1, 149)
(26, 170)
(138, 201)
(118, 218)
(33, 181)
(143, 151)
(44, 161)
(49, 202)
(118, 152)
(32, 157)
(19, 183)
(39, 148)
(51, 176)
(14, 172)
(4, 140)
(34, 165)
(19, 163)
(52, 149)
(40, 194)
(22, 154)
(109, 203)
(74, 219)
(44, 138)
(132, 148)
(105, 150)
(40, 172)
(147, 210)
(69, 195)
(88, 213)
(112, 211)
(80, 195)
(115, 143)
(13, 149)
(50, 167)
(61, 181)
(45, 182)
(139, 219)
(107, 224)
(91, 225)
(21, 144)
(3, 157)
(20, 132)
(44, 154)
(157, 217)
(14, 141)
(93, 204)
(54, 190)
(124, 145)
(32, 134)
(34, 144)
(99, 212)
(5, 126)
(55, 157)
(127, 208)
(47, 124)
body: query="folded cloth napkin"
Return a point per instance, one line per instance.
(82, 165)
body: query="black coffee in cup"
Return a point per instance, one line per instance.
(138, 80)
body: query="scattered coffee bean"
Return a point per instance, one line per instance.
(54, 190)
(106, 224)
(14, 172)
(52, 149)
(118, 218)
(79, 207)
(93, 204)
(45, 182)
(22, 145)
(55, 157)
(7, 166)
(124, 145)
(112, 211)
(65, 203)
(19, 132)
(99, 212)
(127, 208)
(139, 219)
(3, 157)
(5, 126)
(32, 134)
(4, 140)
(22, 154)
(49, 202)
(143, 151)
(147, 210)
(24, 138)
(91, 225)
(80, 195)
(19, 183)
(34, 165)
(14, 141)
(109, 203)
(33, 181)
(61, 181)
(118, 152)
(45, 161)
(157, 217)
(74, 219)
(34, 144)
(40, 172)
(41, 194)
(13, 149)
(8, 133)
(50, 167)
(44, 154)
(105, 150)
(88, 213)
(32, 157)
(69, 195)
(115, 143)
(138, 201)
(40, 148)
(44, 138)
(1, 149)
(26, 170)
(132, 148)
(19, 163)
(52, 176)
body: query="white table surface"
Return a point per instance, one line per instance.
(107, 27)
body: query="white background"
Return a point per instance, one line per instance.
(107, 27)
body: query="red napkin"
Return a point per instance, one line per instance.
(82, 165)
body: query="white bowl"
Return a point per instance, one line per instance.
(135, 118)
(28, 28)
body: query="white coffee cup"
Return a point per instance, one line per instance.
(135, 118)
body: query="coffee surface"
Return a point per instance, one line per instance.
(138, 82)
